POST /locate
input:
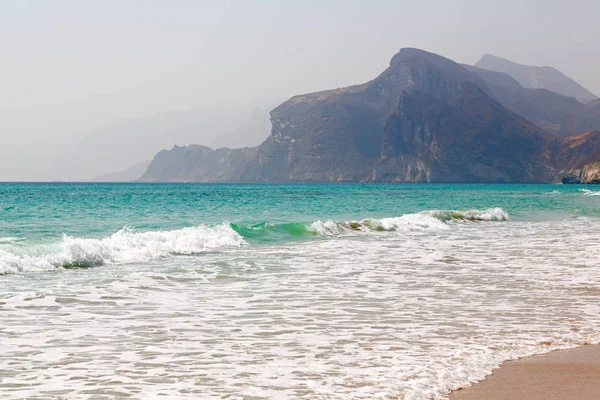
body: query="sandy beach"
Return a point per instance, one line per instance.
(560, 375)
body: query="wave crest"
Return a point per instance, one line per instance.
(433, 219)
(489, 214)
(124, 246)
(129, 246)
(587, 192)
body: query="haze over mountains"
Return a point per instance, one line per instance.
(424, 119)
(130, 174)
(250, 134)
(537, 77)
(551, 111)
(116, 151)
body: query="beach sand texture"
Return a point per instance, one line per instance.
(560, 375)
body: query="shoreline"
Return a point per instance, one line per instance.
(558, 375)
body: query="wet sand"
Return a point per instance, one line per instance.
(560, 375)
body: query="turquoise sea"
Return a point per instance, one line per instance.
(315, 291)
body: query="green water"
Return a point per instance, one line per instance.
(46, 211)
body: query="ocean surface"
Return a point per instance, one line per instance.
(288, 291)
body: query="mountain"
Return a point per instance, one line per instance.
(196, 163)
(550, 111)
(424, 119)
(119, 145)
(131, 174)
(537, 77)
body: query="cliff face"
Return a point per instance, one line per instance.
(424, 119)
(196, 164)
(537, 77)
(579, 158)
(589, 173)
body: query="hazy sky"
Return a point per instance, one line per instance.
(69, 67)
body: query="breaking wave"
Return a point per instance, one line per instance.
(587, 192)
(129, 246)
(124, 246)
(489, 214)
(434, 219)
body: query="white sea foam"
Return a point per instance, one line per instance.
(405, 222)
(409, 316)
(125, 246)
(587, 192)
(426, 220)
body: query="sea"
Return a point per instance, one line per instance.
(299, 291)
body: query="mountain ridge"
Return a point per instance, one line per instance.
(396, 114)
(195, 163)
(423, 119)
(534, 77)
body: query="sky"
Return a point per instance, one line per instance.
(70, 68)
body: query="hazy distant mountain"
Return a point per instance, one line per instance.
(196, 164)
(551, 111)
(129, 175)
(424, 119)
(537, 77)
(118, 146)
(250, 134)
